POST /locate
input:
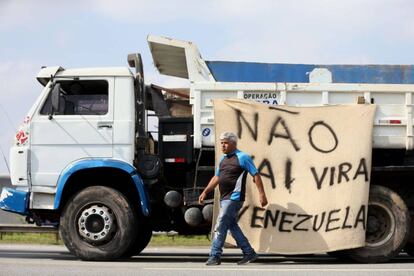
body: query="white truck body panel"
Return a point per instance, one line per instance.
(58, 142)
(18, 165)
(393, 120)
(124, 120)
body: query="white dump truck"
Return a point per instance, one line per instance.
(85, 161)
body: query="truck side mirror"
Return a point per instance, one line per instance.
(55, 100)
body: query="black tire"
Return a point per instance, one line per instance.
(409, 249)
(98, 224)
(388, 227)
(143, 239)
(409, 246)
(340, 255)
(144, 235)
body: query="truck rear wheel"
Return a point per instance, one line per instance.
(339, 254)
(98, 224)
(409, 249)
(388, 226)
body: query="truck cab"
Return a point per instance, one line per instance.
(93, 120)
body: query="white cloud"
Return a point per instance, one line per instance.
(29, 14)
(321, 32)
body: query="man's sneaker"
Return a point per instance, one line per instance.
(248, 259)
(213, 260)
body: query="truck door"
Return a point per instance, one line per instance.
(81, 128)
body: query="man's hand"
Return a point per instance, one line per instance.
(262, 195)
(263, 199)
(202, 197)
(214, 181)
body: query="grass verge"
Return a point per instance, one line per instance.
(53, 239)
(31, 238)
(193, 240)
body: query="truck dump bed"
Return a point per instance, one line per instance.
(390, 87)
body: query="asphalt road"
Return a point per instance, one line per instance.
(56, 260)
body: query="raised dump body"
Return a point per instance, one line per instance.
(390, 87)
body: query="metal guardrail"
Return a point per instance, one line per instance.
(27, 228)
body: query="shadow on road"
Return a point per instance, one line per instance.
(33, 254)
(264, 259)
(165, 257)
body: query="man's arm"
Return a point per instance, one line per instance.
(259, 184)
(214, 181)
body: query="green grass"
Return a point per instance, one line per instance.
(30, 238)
(164, 240)
(51, 239)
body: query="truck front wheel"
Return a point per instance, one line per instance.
(98, 224)
(144, 234)
(388, 225)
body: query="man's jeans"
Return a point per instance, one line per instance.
(227, 220)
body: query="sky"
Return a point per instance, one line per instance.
(98, 33)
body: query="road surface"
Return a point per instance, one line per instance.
(56, 260)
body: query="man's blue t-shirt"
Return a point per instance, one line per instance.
(232, 173)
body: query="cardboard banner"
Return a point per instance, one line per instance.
(315, 163)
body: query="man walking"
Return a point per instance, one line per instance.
(231, 178)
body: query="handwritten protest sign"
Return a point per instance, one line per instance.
(315, 163)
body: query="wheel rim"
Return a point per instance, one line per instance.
(380, 225)
(96, 224)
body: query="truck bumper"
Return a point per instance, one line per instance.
(14, 201)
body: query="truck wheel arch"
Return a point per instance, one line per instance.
(97, 167)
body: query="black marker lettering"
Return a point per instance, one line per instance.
(343, 171)
(330, 220)
(283, 110)
(344, 225)
(315, 220)
(252, 130)
(322, 123)
(285, 135)
(269, 174)
(242, 211)
(319, 180)
(360, 217)
(256, 217)
(362, 169)
(331, 182)
(305, 218)
(283, 221)
(273, 219)
(288, 175)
